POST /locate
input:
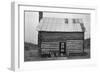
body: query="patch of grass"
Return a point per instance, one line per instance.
(31, 51)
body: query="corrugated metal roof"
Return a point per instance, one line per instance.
(58, 24)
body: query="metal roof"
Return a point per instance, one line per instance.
(60, 24)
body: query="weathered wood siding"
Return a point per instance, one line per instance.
(74, 46)
(60, 36)
(49, 41)
(50, 45)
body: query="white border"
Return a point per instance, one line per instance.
(18, 38)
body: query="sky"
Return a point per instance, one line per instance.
(32, 21)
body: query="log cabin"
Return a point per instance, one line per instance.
(59, 37)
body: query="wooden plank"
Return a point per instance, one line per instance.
(50, 45)
(49, 49)
(75, 51)
(74, 45)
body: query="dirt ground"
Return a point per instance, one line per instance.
(33, 55)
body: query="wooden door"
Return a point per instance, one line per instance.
(62, 48)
